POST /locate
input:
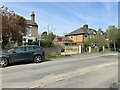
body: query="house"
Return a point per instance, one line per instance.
(103, 33)
(32, 30)
(59, 40)
(81, 34)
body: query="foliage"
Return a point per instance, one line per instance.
(113, 35)
(118, 39)
(13, 26)
(48, 36)
(44, 36)
(89, 42)
(100, 40)
(51, 36)
(43, 43)
(46, 43)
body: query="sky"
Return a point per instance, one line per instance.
(64, 17)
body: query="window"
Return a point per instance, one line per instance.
(29, 31)
(19, 49)
(37, 48)
(86, 36)
(29, 48)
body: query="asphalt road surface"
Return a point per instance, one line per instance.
(77, 71)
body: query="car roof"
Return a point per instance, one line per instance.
(29, 46)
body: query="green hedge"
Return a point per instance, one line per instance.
(43, 43)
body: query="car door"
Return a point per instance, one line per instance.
(29, 52)
(18, 54)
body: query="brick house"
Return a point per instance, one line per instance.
(81, 34)
(58, 40)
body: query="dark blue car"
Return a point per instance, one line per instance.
(21, 54)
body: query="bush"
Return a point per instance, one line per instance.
(43, 43)
(46, 43)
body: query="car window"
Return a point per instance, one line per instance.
(37, 48)
(29, 49)
(19, 49)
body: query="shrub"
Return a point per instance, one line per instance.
(43, 43)
(46, 43)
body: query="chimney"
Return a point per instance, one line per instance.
(33, 16)
(85, 26)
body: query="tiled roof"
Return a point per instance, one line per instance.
(67, 38)
(81, 30)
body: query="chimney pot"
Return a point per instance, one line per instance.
(33, 16)
(85, 26)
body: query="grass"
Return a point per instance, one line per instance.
(50, 56)
(56, 56)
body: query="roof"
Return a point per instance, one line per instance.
(103, 32)
(28, 46)
(32, 23)
(60, 38)
(67, 39)
(82, 30)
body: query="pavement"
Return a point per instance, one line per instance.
(96, 70)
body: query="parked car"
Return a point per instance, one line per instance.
(21, 54)
(43, 51)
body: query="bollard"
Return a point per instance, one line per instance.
(89, 49)
(80, 49)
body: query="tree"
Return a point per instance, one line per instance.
(113, 36)
(89, 42)
(118, 39)
(13, 26)
(100, 40)
(51, 36)
(44, 36)
(48, 36)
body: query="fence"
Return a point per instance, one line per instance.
(71, 50)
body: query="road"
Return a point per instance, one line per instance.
(76, 71)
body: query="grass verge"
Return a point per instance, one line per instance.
(56, 56)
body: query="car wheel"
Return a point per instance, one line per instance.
(4, 62)
(37, 59)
